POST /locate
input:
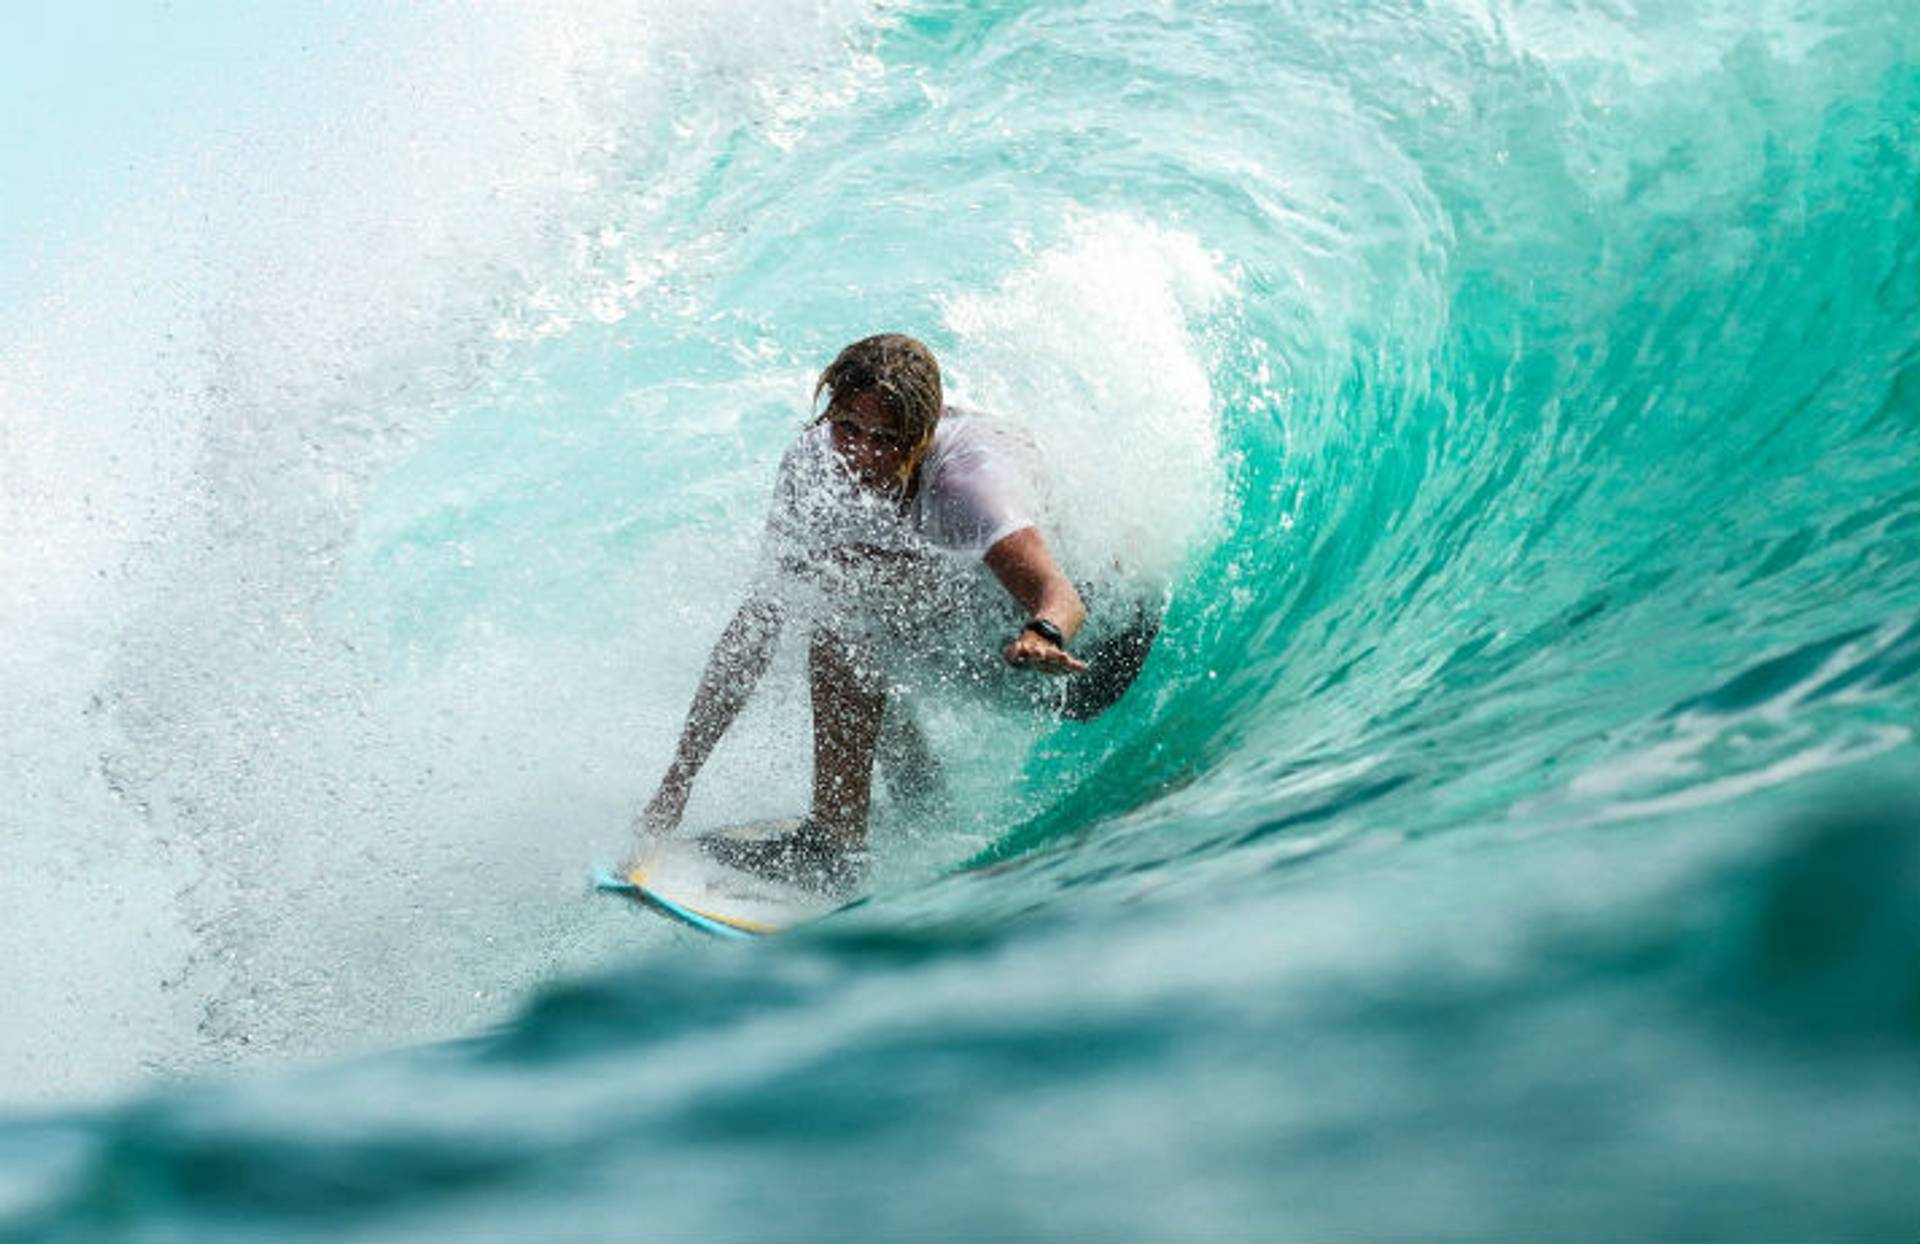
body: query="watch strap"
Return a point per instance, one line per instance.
(1047, 631)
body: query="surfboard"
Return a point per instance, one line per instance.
(678, 879)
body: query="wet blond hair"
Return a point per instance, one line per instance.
(905, 375)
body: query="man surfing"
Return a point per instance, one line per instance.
(882, 498)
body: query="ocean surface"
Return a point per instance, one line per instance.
(1515, 834)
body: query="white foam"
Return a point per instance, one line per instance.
(1094, 345)
(228, 825)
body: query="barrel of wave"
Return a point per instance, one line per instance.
(1093, 346)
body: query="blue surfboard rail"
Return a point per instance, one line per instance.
(605, 879)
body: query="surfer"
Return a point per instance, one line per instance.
(874, 503)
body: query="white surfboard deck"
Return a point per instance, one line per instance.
(677, 878)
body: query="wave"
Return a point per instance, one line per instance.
(1516, 407)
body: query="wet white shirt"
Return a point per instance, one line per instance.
(978, 485)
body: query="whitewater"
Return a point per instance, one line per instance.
(1512, 834)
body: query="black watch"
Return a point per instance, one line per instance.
(1047, 631)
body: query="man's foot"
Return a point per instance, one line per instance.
(806, 857)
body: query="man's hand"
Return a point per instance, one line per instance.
(1029, 651)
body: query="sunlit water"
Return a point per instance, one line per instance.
(1513, 833)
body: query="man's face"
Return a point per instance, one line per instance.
(868, 442)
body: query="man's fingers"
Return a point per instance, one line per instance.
(1043, 657)
(1056, 661)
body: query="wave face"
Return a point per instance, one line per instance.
(1512, 832)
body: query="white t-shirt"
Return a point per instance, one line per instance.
(978, 485)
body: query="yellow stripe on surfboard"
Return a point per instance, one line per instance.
(638, 876)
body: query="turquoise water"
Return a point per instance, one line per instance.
(1512, 835)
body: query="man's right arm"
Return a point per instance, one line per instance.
(739, 659)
